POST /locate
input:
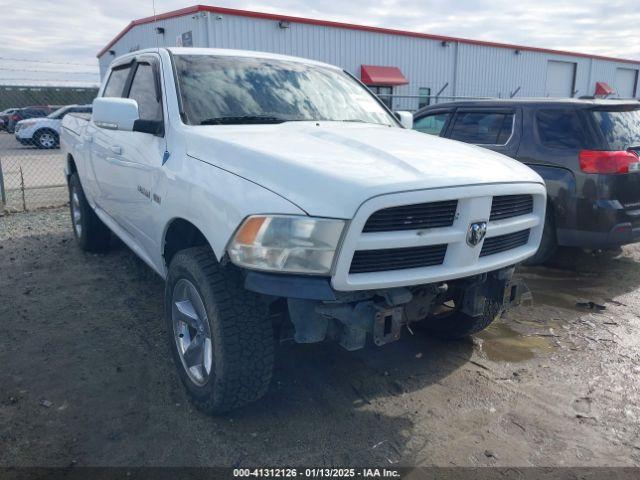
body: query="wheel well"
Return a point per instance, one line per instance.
(71, 165)
(181, 234)
(45, 129)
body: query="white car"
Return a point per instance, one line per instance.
(44, 132)
(276, 193)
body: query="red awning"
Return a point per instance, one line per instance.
(384, 76)
(603, 88)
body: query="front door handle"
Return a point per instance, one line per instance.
(88, 138)
(117, 149)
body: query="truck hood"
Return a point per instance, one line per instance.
(330, 168)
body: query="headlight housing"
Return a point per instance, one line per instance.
(287, 244)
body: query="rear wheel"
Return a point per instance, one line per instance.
(548, 243)
(45, 139)
(92, 235)
(220, 334)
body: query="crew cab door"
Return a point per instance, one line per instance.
(132, 160)
(497, 129)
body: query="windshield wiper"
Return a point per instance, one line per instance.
(243, 120)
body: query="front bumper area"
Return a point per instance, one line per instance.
(318, 312)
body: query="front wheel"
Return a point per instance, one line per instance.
(458, 325)
(220, 334)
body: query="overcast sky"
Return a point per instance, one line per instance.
(73, 31)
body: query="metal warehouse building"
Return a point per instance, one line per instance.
(416, 68)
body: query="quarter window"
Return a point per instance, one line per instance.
(432, 124)
(560, 129)
(483, 128)
(143, 91)
(116, 82)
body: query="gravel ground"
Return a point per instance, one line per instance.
(87, 377)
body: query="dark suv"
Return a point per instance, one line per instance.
(25, 113)
(586, 151)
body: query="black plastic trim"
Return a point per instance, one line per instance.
(289, 286)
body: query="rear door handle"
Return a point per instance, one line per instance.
(117, 149)
(87, 138)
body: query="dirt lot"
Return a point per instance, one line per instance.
(87, 377)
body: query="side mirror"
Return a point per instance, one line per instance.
(406, 119)
(115, 113)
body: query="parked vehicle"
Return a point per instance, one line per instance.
(586, 151)
(4, 117)
(24, 113)
(273, 192)
(44, 132)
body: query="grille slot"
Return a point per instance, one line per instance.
(413, 217)
(508, 206)
(397, 258)
(502, 243)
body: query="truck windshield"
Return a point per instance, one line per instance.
(620, 128)
(221, 90)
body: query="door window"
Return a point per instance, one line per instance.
(432, 124)
(143, 91)
(116, 82)
(483, 128)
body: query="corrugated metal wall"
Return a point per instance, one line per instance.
(466, 69)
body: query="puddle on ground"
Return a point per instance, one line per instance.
(500, 342)
(564, 292)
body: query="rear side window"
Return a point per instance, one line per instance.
(621, 129)
(432, 124)
(116, 82)
(562, 129)
(143, 91)
(483, 128)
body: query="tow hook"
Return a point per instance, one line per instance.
(387, 324)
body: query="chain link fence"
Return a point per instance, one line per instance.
(31, 164)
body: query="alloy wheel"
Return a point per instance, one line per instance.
(192, 332)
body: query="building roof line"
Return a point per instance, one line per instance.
(328, 23)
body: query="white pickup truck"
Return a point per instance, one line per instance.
(278, 195)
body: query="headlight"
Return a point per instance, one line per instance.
(286, 244)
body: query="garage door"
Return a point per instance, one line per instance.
(625, 83)
(560, 78)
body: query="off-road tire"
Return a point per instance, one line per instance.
(94, 236)
(242, 333)
(459, 325)
(548, 243)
